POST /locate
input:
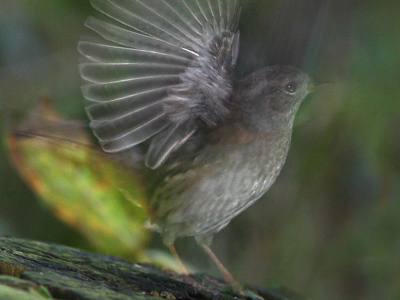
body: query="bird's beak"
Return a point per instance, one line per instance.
(315, 85)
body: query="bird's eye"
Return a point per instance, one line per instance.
(291, 88)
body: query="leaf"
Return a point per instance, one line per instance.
(79, 183)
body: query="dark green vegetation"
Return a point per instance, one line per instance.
(330, 226)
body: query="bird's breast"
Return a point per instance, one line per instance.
(223, 180)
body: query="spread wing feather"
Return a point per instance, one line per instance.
(159, 69)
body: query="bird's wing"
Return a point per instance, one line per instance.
(159, 70)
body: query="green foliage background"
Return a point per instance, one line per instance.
(330, 226)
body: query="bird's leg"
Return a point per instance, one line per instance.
(172, 249)
(225, 273)
(205, 242)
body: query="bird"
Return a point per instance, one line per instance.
(160, 88)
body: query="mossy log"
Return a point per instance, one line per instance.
(38, 270)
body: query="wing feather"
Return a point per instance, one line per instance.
(138, 16)
(159, 68)
(162, 145)
(132, 39)
(111, 110)
(136, 136)
(118, 128)
(101, 52)
(124, 89)
(119, 72)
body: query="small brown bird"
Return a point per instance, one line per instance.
(161, 76)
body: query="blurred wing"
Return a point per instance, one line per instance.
(161, 68)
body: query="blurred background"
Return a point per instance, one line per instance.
(329, 228)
